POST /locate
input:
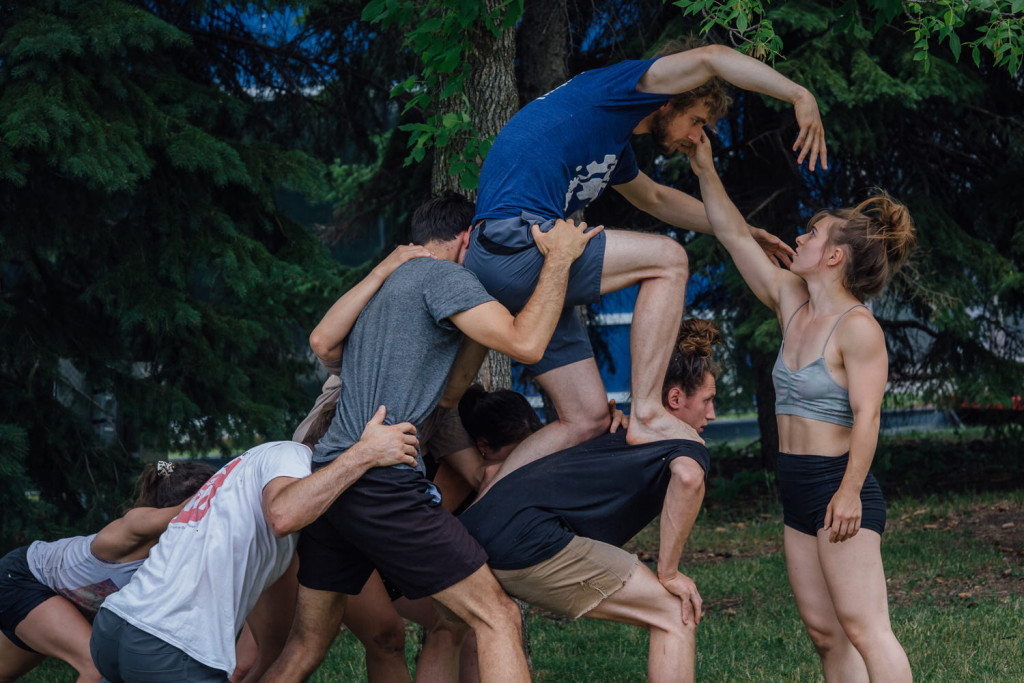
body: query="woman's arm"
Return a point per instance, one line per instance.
(328, 336)
(125, 535)
(765, 278)
(862, 346)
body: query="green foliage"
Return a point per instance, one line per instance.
(148, 281)
(441, 33)
(995, 27)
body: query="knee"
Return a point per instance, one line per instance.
(865, 637)
(672, 259)
(589, 425)
(386, 642)
(501, 614)
(826, 640)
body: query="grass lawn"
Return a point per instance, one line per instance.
(955, 570)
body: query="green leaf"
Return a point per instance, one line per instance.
(954, 45)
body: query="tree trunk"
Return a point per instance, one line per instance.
(543, 48)
(492, 95)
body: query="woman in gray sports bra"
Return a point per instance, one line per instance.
(49, 592)
(829, 377)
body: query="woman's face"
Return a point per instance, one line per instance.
(813, 246)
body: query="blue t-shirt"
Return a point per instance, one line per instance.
(560, 151)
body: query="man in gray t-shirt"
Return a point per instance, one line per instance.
(399, 354)
(407, 371)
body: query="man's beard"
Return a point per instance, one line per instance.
(659, 132)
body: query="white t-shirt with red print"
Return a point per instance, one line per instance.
(208, 569)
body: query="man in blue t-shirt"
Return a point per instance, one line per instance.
(558, 154)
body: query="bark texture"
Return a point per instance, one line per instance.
(543, 48)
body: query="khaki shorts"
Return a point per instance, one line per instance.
(574, 581)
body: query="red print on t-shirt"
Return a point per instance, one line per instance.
(200, 503)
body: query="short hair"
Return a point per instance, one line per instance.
(714, 92)
(878, 235)
(442, 218)
(691, 362)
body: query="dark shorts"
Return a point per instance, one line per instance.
(20, 593)
(122, 652)
(387, 521)
(807, 484)
(506, 261)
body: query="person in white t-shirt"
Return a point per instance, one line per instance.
(178, 617)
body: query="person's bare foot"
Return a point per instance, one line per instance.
(658, 425)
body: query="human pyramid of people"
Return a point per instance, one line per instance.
(292, 539)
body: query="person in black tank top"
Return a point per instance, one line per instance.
(830, 377)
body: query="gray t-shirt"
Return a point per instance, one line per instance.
(401, 350)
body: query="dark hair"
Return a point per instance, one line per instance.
(713, 92)
(166, 484)
(319, 426)
(501, 417)
(691, 360)
(878, 235)
(442, 218)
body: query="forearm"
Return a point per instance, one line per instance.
(863, 441)
(304, 500)
(535, 323)
(726, 221)
(679, 209)
(467, 363)
(678, 514)
(328, 336)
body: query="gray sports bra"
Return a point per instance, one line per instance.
(811, 391)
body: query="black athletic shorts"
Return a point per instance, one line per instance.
(387, 520)
(807, 484)
(20, 593)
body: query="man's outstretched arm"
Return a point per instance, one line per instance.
(685, 71)
(525, 336)
(680, 209)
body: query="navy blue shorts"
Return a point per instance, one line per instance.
(503, 256)
(123, 652)
(20, 593)
(807, 484)
(387, 520)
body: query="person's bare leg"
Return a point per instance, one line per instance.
(318, 616)
(480, 602)
(643, 601)
(469, 660)
(55, 628)
(856, 581)
(270, 621)
(246, 653)
(372, 619)
(578, 394)
(439, 657)
(15, 661)
(839, 658)
(660, 267)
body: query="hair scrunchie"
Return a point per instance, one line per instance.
(164, 468)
